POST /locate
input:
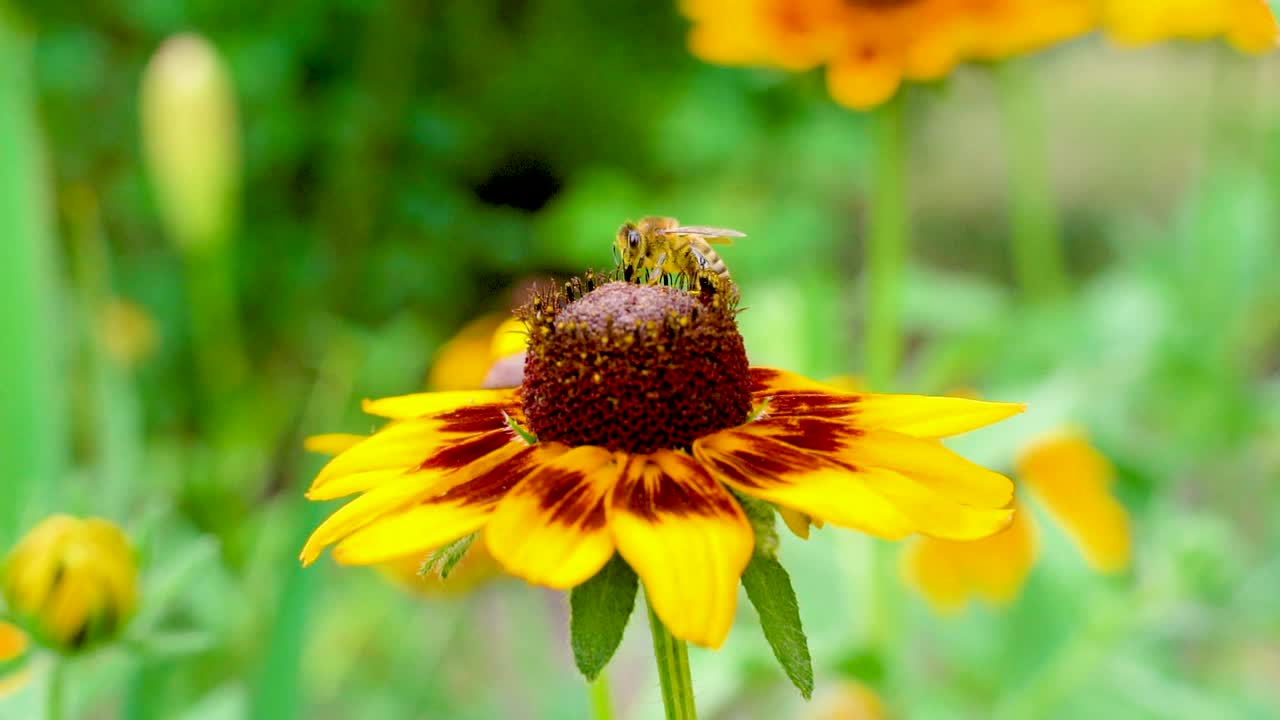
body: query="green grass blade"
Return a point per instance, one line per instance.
(32, 411)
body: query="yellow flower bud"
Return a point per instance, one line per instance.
(190, 140)
(72, 581)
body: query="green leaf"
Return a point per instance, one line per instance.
(762, 516)
(599, 610)
(769, 589)
(443, 560)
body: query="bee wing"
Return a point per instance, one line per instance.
(713, 235)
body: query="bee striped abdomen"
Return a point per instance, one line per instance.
(707, 258)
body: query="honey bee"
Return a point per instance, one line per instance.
(661, 245)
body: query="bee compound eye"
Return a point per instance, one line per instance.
(633, 237)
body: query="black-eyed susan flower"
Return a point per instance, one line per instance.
(1248, 25)
(15, 646)
(638, 423)
(1071, 479)
(72, 581)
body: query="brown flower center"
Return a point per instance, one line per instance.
(634, 368)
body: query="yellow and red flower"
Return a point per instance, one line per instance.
(1072, 480)
(638, 420)
(1247, 24)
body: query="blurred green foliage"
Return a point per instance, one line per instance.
(409, 166)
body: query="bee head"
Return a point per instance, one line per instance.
(629, 247)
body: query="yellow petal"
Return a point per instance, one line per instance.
(686, 538)
(931, 464)
(417, 405)
(791, 395)
(767, 381)
(13, 642)
(797, 522)
(332, 443)
(802, 481)
(1073, 481)
(763, 460)
(924, 416)
(406, 446)
(551, 528)
(947, 572)
(864, 79)
(459, 510)
(510, 338)
(378, 502)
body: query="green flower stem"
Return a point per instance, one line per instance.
(57, 673)
(886, 247)
(215, 327)
(672, 657)
(1037, 242)
(601, 707)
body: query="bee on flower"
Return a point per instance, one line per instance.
(637, 428)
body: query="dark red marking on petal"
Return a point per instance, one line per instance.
(492, 485)
(767, 462)
(567, 498)
(809, 433)
(663, 495)
(463, 453)
(475, 418)
(817, 404)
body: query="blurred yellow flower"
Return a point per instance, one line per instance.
(1247, 24)
(191, 141)
(14, 646)
(847, 700)
(127, 332)
(464, 362)
(871, 46)
(72, 581)
(1003, 28)
(993, 568)
(1071, 480)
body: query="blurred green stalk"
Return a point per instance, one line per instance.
(886, 263)
(215, 327)
(278, 692)
(886, 247)
(601, 707)
(32, 407)
(672, 658)
(56, 689)
(1033, 218)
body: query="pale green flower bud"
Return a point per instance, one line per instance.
(191, 141)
